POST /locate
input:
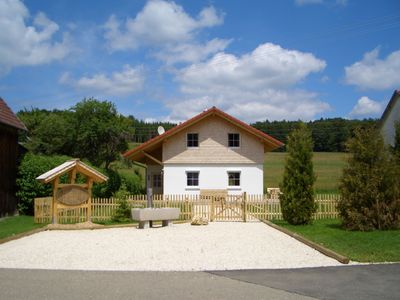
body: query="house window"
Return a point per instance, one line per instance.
(157, 181)
(192, 178)
(234, 178)
(192, 140)
(233, 140)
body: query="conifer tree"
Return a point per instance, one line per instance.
(370, 196)
(297, 200)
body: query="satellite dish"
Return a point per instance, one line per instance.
(160, 130)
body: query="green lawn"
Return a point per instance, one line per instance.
(373, 246)
(327, 165)
(14, 225)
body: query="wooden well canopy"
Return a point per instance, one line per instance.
(72, 195)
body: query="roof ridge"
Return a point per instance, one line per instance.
(196, 119)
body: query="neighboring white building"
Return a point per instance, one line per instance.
(390, 117)
(211, 151)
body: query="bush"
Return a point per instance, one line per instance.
(28, 187)
(133, 182)
(108, 188)
(123, 211)
(297, 199)
(370, 196)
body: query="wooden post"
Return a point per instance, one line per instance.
(244, 207)
(212, 216)
(72, 176)
(89, 204)
(54, 202)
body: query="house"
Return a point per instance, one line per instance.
(9, 156)
(390, 117)
(211, 151)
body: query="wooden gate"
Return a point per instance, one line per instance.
(223, 207)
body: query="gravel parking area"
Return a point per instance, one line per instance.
(180, 247)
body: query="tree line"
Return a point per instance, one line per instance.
(94, 130)
(328, 135)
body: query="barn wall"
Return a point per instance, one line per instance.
(8, 170)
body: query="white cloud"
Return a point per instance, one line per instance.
(255, 86)
(309, 2)
(192, 52)
(306, 2)
(128, 81)
(268, 66)
(366, 107)
(159, 23)
(22, 43)
(375, 73)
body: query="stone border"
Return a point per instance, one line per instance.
(340, 258)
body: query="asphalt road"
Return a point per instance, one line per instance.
(344, 282)
(350, 282)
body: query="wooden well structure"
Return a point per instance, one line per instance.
(71, 194)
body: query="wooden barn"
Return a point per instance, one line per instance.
(9, 157)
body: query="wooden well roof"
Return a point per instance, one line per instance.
(68, 166)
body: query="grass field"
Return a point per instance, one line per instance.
(328, 167)
(372, 246)
(14, 225)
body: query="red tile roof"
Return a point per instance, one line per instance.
(8, 117)
(272, 143)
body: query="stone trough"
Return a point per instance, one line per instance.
(147, 215)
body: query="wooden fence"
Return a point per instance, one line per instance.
(232, 208)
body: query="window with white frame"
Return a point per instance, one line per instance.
(192, 140)
(157, 180)
(233, 140)
(192, 178)
(234, 178)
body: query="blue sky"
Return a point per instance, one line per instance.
(165, 60)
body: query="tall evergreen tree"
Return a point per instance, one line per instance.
(297, 200)
(370, 184)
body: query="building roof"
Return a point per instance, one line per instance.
(68, 166)
(389, 107)
(8, 117)
(269, 142)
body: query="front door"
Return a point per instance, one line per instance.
(157, 183)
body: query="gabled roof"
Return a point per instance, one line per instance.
(8, 117)
(389, 107)
(269, 142)
(68, 166)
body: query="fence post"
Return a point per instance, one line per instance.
(212, 209)
(54, 218)
(244, 206)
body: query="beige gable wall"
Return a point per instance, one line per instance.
(213, 145)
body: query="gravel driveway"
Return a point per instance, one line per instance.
(180, 247)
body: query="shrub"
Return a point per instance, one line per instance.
(28, 187)
(123, 211)
(133, 182)
(108, 188)
(370, 196)
(297, 200)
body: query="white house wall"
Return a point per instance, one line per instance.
(213, 176)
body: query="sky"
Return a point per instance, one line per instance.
(169, 60)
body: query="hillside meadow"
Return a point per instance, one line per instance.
(328, 167)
